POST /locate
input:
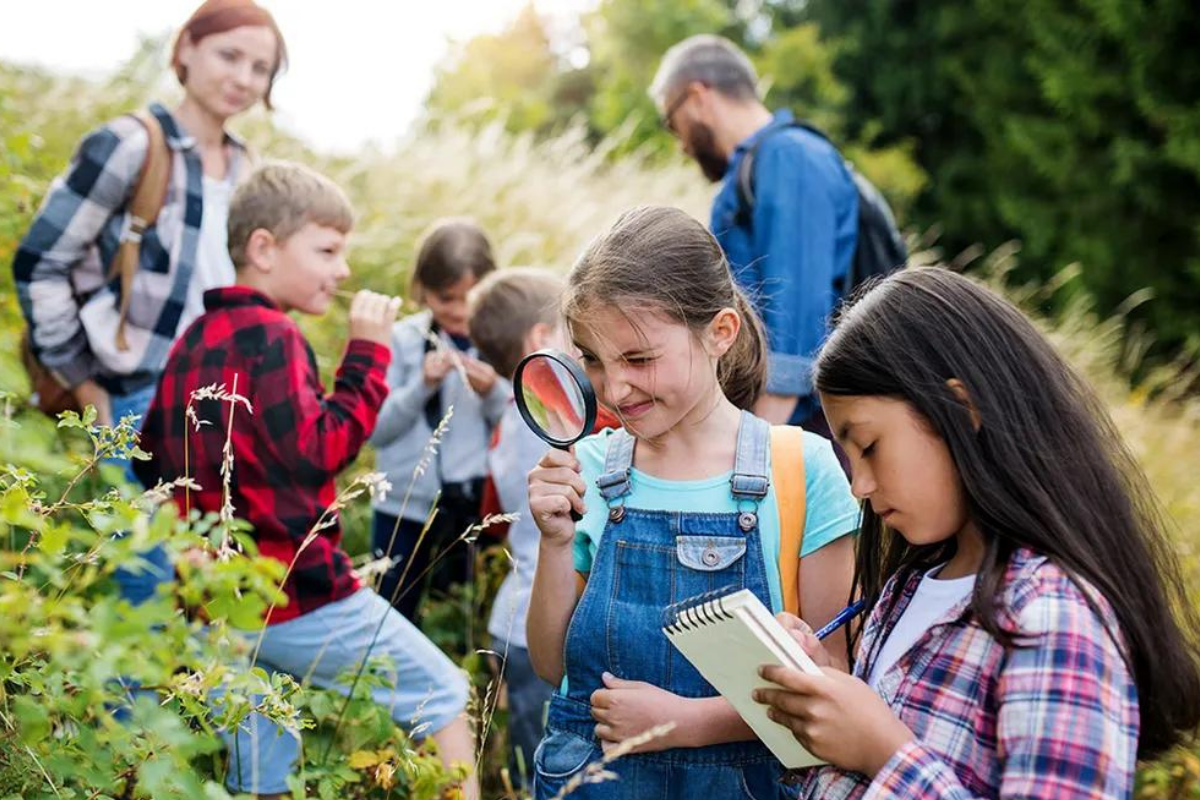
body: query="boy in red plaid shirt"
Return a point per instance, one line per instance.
(287, 237)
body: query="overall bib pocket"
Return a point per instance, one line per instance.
(710, 553)
(703, 564)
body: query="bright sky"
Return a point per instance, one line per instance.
(359, 69)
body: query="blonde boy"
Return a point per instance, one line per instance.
(514, 312)
(287, 238)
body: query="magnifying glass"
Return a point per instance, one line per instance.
(555, 397)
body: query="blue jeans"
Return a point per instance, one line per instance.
(646, 561)
(458, 509)
(137, 585)
(323, 645)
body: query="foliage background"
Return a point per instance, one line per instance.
(1083, 147)
(1069, 125)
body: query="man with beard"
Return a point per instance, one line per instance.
(792, 248)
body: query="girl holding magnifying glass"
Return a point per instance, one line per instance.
(677, 503)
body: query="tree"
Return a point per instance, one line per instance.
(1070, 125)
(626, 39)
(515, 74)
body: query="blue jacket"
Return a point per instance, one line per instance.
(794, 253)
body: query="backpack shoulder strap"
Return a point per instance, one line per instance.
(744, 179)
(787, 476)
(149, 194)
(151, 191)
(744, 184)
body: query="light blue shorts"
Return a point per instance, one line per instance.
(430, 691)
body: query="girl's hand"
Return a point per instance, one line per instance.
(480, 375)
(835, 716)
(799, 630)
(555, 488)
(437, 366)
(625, 709)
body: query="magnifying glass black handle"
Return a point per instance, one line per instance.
(575, 515)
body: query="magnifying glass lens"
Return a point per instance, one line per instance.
(555, 398)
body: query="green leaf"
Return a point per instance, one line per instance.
(33, 720)
(54, 539)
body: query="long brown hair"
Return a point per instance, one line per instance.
(1046, 470)
(659, 257)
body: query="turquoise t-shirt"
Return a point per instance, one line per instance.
(830, 510)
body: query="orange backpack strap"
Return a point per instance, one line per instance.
(787, 476)
(149, 194)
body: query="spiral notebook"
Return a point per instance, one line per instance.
(727, 637)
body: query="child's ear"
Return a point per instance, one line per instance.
(260, 250)
(723, 331)
(538, 337)
(960, 392)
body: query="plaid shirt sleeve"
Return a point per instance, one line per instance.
(1067, 722)
(76, 208)
(319, 434)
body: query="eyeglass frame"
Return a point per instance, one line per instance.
(672, 109)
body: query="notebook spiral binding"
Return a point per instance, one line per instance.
(695, 612)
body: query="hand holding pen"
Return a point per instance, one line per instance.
(811, 641)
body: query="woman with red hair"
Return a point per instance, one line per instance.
(103, 339)
(104, 334)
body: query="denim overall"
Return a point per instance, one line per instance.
(646, 561)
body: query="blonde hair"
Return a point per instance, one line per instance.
(281, 197)
(659, 257)
(504, 308)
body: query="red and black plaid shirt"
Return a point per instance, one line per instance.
(286, 453)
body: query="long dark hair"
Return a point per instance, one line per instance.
(1047, 470)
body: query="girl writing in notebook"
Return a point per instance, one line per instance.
(679, 502)
(1029, 634)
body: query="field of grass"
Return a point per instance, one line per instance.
(540, 201)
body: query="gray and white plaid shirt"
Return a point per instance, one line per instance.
(61, 267)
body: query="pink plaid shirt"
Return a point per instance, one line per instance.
(1057, 719)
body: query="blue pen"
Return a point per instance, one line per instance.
(845, 615)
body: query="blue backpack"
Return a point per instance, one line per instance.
(880, 249)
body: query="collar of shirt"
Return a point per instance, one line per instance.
(177, 136)
(236, 296)
(779, 119)
(1016, 586)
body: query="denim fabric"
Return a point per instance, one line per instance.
(646, 561)
(322, 646)
(139, 585)
(793, 255)
(452, 559)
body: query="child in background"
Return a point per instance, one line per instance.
(434, 368)
(287, 238)
(513, 313)
(1029, 616)
(678, 503)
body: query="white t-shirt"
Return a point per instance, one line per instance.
(214, 267)
(932, 600)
